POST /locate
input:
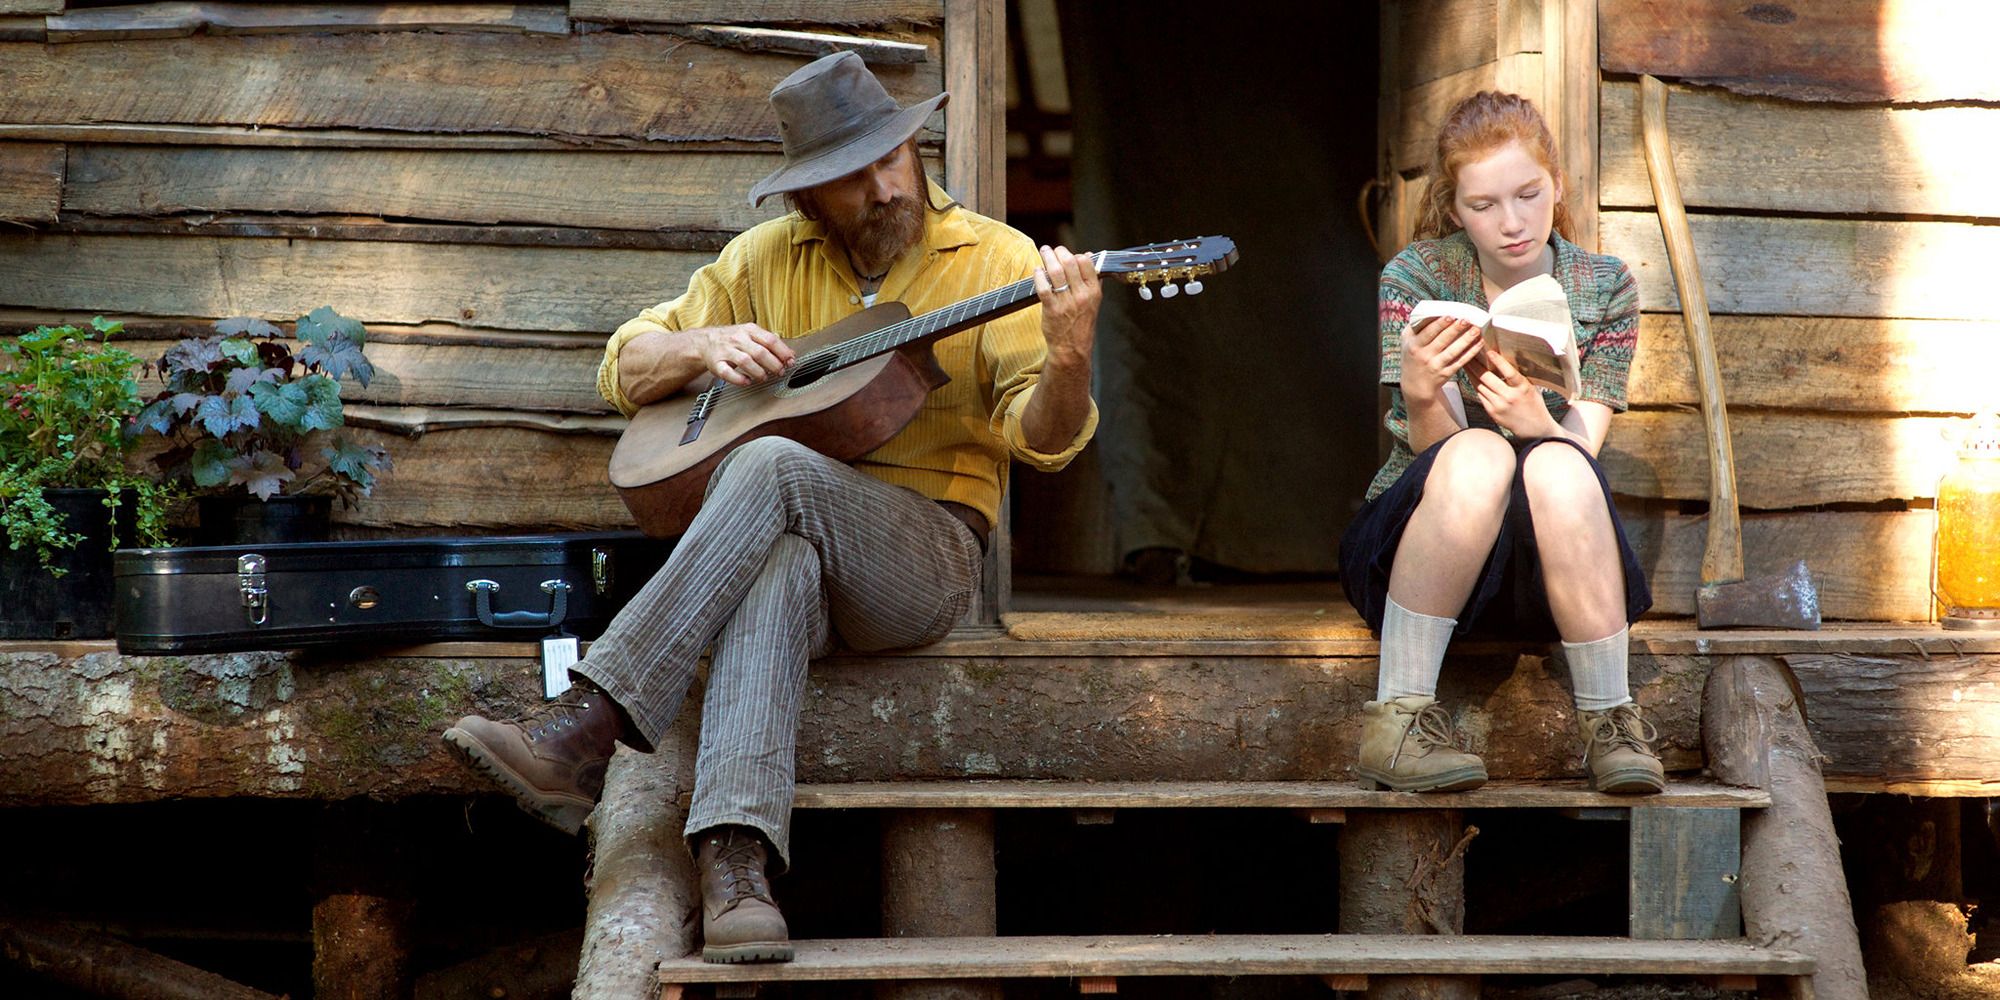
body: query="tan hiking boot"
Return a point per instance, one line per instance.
(1618, 752)
(739, 920)
(1408, 744)
(552, 759)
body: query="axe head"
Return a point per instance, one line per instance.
(1783, 600)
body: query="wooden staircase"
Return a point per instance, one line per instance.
(1682, 900)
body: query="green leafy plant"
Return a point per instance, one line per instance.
(70, 398)
(242, 408)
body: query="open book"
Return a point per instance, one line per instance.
(1529, 325)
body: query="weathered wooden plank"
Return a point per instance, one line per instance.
(372, 230)
(848, 12)
(1818, 267)
(603, 84)
(616, 190)
(975, 56)
(343, 138)
(419, 420)
(23, 28)
(1783, 459)
(31, 6)
(1837, 159)
(490, 479)
(1904, 721)
(1826, 50)
(1821, 363)
(1243, 955)
(1681, 882)
(1680, 796)
(166, 328)
(1443, 37)
(877, 51)
(433, 375)
(1424, 107)
(1520, 26)
(515, 288)
(31, 181)
(1868, 566)
(1578, 135)
(214, 17)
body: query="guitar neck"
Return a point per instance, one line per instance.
(932, 325)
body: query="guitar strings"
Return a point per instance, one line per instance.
(879, 340)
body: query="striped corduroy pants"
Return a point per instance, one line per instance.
(789, 549)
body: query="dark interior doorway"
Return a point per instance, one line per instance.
(1238, 427)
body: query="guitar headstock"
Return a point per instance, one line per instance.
(1185, 261)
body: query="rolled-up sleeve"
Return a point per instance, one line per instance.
(715, 296)
(1015, 351)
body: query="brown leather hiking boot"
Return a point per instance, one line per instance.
(1409, 744)
(552, 759)
(739, 920)
(1618, 752)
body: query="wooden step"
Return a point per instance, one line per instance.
(1245, 955)
(978, 794)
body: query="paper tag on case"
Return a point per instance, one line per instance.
(558, 655)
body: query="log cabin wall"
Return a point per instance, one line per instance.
(491, 188)
(1835, 160)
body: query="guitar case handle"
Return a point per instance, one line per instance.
(482, 603)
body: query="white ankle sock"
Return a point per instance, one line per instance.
(1597, 671)
(1413, 648)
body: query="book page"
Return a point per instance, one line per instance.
(1538, 298)
(1443, 307)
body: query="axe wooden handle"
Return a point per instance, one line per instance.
(1722, 559)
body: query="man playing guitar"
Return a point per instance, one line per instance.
(791, 548)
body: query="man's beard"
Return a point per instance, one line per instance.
(879, 234)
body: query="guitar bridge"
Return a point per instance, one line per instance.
(698, 415)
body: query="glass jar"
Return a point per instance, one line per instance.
(1969, 531)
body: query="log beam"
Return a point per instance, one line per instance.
(1793, 889)
(645, 901)
(363, 904)
(938, 881)
(82, 724)
(1403, 872)
(100, 965)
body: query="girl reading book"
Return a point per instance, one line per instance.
(1492, 514)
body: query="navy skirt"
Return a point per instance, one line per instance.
(1509, 598)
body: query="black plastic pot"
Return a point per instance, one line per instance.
(246, 520)
(35, 604)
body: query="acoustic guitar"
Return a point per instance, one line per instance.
(850, 388)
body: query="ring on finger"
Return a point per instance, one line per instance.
(1058, 288)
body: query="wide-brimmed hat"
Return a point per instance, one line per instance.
(835, 118)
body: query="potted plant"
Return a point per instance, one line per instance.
(66, 498)
(250, 423)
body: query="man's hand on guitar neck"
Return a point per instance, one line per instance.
(655, 365)
(1068, 288)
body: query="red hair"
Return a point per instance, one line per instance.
(1475, 128)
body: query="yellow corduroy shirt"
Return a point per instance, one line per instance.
(786, 276)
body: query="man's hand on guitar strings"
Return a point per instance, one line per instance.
(745, 354)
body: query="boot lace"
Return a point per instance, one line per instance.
(551, 718)
(1621, 728)
(741, 859)
(1433, 729)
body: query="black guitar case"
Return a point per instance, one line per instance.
(390, 592)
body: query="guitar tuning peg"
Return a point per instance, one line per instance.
(1194, 287)
(1145, 292)
(1169, 290)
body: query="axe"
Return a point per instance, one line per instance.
(1727, 598)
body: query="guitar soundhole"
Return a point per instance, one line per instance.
(809, 371)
